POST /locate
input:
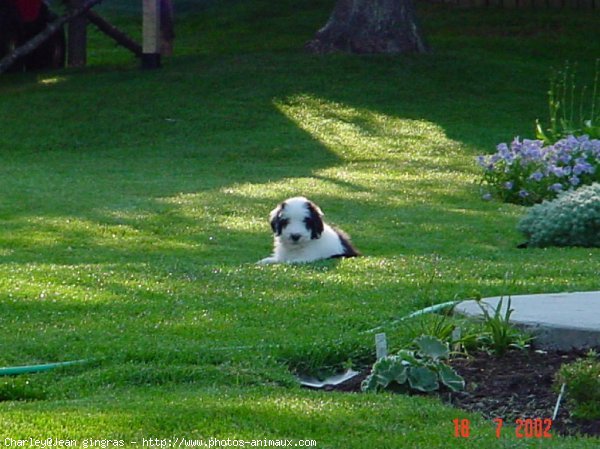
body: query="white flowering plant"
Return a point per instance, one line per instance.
(527, 171)
(572, 219)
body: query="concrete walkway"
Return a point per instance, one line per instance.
(558, 320)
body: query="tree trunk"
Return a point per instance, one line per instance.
(77, 40)
(370, 26)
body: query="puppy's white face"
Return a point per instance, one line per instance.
(296, 221)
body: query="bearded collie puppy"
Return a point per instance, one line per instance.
(301, 235)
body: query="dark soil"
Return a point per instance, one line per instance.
(518, 385)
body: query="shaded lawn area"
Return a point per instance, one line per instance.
(134, 206)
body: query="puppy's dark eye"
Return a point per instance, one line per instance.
(283, 222)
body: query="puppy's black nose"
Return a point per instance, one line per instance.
(295, 237)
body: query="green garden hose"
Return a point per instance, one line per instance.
(27, 369)
(426, 310)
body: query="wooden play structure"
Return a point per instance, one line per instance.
(31, 37)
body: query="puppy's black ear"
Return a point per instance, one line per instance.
(275, 219)
(314, 222)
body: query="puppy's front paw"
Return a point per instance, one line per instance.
(267, 261)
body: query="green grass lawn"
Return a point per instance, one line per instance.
(134, 206)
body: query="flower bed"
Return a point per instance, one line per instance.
(527, 172)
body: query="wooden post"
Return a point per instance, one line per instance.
(381, 349)
(77, 37)
(151, 33)
(167, 28)
(42, 37)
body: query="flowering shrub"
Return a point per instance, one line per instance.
(527, 172)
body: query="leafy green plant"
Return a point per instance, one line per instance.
(499, 335)
(572, 110)
(572, 219)
(461, 335)
(422, 369)
(438, 325)
(582, 378)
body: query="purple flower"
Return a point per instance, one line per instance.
(502, 148)
(564, 158)
(571, 141)
(570, 160)
(486, 197)
(516, 145)
(582, 166)
(488, 163)
(531, 151)
(558, 187)
(559, 171)
(537, 176)
(507, 157)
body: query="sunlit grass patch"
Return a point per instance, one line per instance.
(358, 135)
